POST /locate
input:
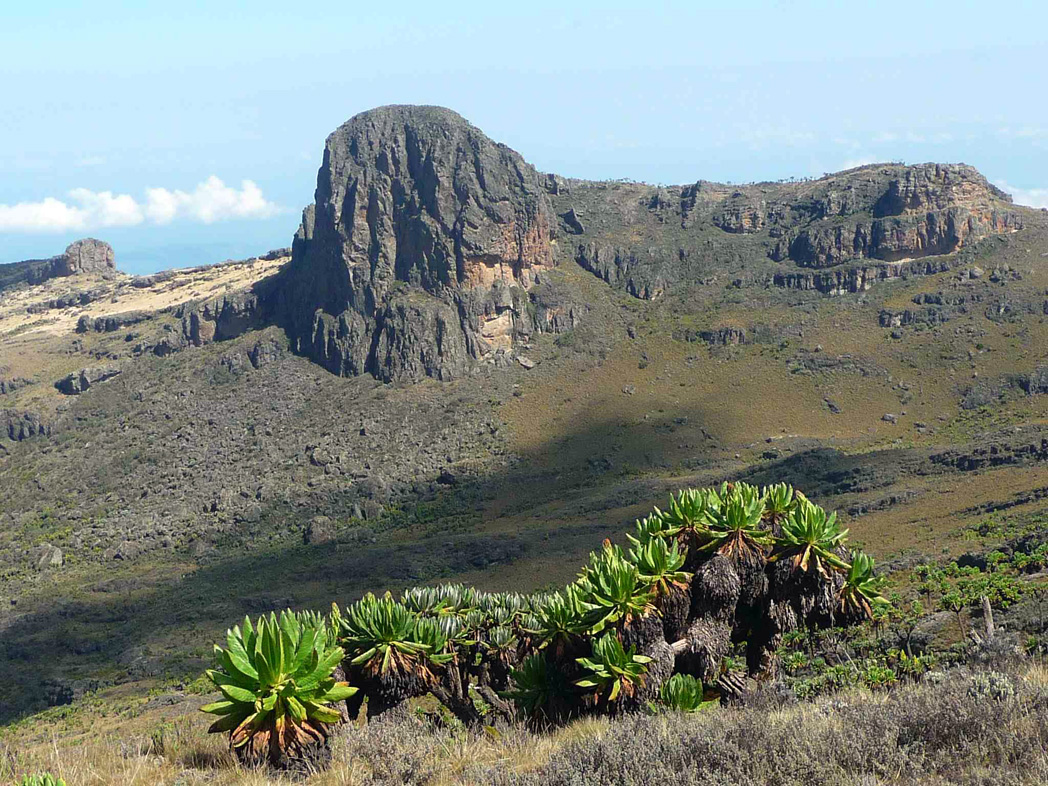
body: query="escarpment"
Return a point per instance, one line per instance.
(418, 254)
(430, 250)
(837, 234)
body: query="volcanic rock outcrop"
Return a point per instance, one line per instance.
(83, 256)
(418, 254)
(839, 233)
(925, 210)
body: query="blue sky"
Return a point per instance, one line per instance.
(192, 132)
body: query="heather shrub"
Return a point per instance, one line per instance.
(943, 733)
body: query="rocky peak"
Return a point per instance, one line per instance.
(417, 254)
(83, 256)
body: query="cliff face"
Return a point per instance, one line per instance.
(840, 233)
(925, 210)
(428, 248)
(83, 256)
(416, 258)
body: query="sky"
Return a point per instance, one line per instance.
(188, 133)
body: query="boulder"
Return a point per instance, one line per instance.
(82, 381)
(320, 530)
(48, 556)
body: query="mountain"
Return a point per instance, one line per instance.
(464, 367)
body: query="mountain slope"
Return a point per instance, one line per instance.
(470, 369)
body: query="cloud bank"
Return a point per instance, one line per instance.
(211, 201)
(1031, 197)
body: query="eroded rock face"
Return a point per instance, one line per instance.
(83, 256)
(417, 255)
(17, 425)
(925, 210)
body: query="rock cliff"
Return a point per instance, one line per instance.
(418, 254)
(83, 256)
(837, 234)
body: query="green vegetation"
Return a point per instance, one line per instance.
(605, 644)
(683, 693)
(276, 681)
(612, 670)
(810, 538)
(44, 779)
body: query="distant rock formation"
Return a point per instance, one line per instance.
(17, 425)
(924, 210)
(836, 234)
(82, 381)
(417, 257)
(83, 256)
(429, 247)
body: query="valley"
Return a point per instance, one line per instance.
(467, 370)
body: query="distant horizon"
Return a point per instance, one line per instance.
(161, 251)
(190, 135)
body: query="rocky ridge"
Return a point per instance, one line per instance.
(428, 249)
(418, 254)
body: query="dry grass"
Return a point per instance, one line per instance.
(947, 732)
(120, 296)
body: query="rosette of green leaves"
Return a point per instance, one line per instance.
(435, 642)
(42, 779)
(277, 686)
(560, 617)
(686, 515)
(736, 527)
(651, 526)
(379, 633)
(659, 564)
(683, 693)
(611, 670)
(611, 590)
(861, 593)
(779, 500)
(426, 600)
(810, 538)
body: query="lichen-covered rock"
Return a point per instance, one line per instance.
(421, 229)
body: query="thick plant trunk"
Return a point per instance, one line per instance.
(715, 590)
(498, 704)
(453, 692)
(642, 632)
(708, 642)
(675, 607)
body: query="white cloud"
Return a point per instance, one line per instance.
(1031, 197)
(211, 201)
(852, 163)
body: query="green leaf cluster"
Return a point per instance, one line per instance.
(611, 669)
(42, 779)
(275, 677)
(684, 693)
